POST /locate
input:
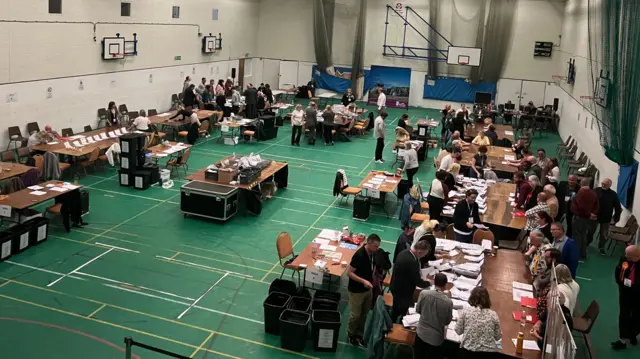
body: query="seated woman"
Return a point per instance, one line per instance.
(534, 256)
(481, 140)
(479, 162)
(403, 121)
(410, 205)
(142, 122)
(402, 136)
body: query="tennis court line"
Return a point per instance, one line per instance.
(80, 267)
(122, 327)
(312, 161)
(201, 345)
(131, 218)
(202, 296)
(41, 269)
(133, 285)
(96, 311)
(302, 236)
(319, 150)
(5, 283)
(246, 276)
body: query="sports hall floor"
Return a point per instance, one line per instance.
(173, 261)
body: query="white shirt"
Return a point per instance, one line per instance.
(436, 189)
(297, 118)
(446, 162)
(141, 123)
(554, 175)
(194, 118)
(382, 100)
(570, 292)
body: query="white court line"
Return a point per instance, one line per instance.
(134, 285)
(583, 278)
(115, 247)
(202, 296)
(312, 161)
(77, 269)
(41, 269)
(206, 267)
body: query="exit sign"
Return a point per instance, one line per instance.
(177, 58)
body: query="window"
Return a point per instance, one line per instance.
(55, 6)
(176, 12)
(125, 9)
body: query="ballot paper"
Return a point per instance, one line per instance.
(38, 193)
(412, 310)
(90, 140)
(455, 314)
(475, 259)
(473, 252)
(50, 185)
(509, 158)
(334, 256)
(527, 344)
(460, 294)
(320, 264)
(519, 293)
(471, 267)
(459, 304)
(486, 245)
(111, 134)
(77, 144)
(453, 253)
(411, 320)
(327, 247)
(444, 267)
(523, 286)
(97, 138)
(329, 234)
(123, 130)
(103, 135)
(391, 181)
(59, 189)
(321, 241)
(69, 186)
(161, 155)
(117, 132)
(35, 188)
(463, 285)
(435, 263)
(453, 336)
(473, 281)
(52, 143)
(480, 226)
(508, 133)
(428, 272)
(83, 141)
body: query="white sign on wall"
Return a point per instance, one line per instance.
(113, 83)
(399, 6)
(12, 97)
(150, 78)
(80, 85)
(49, 94)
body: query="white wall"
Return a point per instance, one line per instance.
(45, 54)
(576, 119)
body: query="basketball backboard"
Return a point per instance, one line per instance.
(466, 56)
(113, 48)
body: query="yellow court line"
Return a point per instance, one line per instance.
(5, 283)
(218, 252)
(201, 345)
(175, 255)
(303, 234)
(96, 311)
(116, 326)
(155, 317)
(209, 269)
(218, 260)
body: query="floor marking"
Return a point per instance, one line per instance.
(308, 169)
(173, 256)
(217, 252)
(312, 161)
(583, 278)
(221, 261)
(114, 247)
(122, 327)
(105, 179)
(129, 219)
(133, 286)
(318, 150)
(41, 269)
(316, 193)
(302, 236)
(96, 311)
(210, 269)
(5, 283)
(77, 269)
(201, 345)
(203, 266)
(291, 224)
(302, 185)
(268, 147)
(128, 194)
(202, 296)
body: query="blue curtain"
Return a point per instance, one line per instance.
(627, 184)
(335, 83)
(455, 89)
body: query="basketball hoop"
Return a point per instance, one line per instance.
(463, 63)
(117, 56)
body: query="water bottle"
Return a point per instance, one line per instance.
(523, 318)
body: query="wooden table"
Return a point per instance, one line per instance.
(499, 211)
(496, 157)
(264, 175)
(10, 169)
(500, 130)
(306, 257)
(498, 275)
(386, 187)
(164, 120)
(157, 150)
(23, 199)
(60, 149)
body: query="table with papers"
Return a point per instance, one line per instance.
(34, 195)
(232, 129)
(84, 143)
(378, 184)
(167, 149)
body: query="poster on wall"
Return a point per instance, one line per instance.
(395, 81)
(398, 5)
(338, 80)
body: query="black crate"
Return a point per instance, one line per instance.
(294, 326)
(125, 178)
(248, 177)
(6, 244)
(21, 242)
(211, 174)
(38, 230)
(142, 179)
(325, 326)
(132, 143)
(273, 306)
(300, 304)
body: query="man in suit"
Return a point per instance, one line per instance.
(566, 191)
(609, 212)
(406, 277)
(251, 101)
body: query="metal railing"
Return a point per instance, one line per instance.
(130, 343)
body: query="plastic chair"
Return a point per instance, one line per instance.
(90, 161)
(15, 137)
(103, 117)
(450, 232)
(67, 132)
(284, 245)
(152, 112)
(32, 126)
(584, 323)
(87, 128)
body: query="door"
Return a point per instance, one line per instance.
(240, 74)
(288, 74)
(533, 91)
(304, 73)
(509, 90)
(270, 73)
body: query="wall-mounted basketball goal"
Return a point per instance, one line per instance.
(116, 48)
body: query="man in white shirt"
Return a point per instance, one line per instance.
(378, 133)
(203, 86)
(142, 122)
(382, 99)
(194, 119)
(446, 162)
(463, 109)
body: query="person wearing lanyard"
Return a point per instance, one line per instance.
(435, 308)
(360, 275)
(479, 162)
(406, 277)
(627, 278)
(465, 216)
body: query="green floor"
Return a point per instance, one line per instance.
(141, 293)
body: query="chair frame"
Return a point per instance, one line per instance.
(290, 253)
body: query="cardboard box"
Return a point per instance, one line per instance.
(225, 175)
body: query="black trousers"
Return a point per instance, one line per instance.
(251, 111)
(312, 135)
(399, 309)
(422, 350)
(629, 317)
(296, 131)
(410, 173)
(435, 207)
(326, 132)
(379, 148)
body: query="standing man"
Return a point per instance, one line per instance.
(566, 246)
(543, 162)
(251, 101)
(566, 191)
(406, 277)
(311, 119)
(585, 211)
(628, 280)
(360, 275)
(435, 309)
(378, 132)
(382, 100)
(609, 212)
(202, 87)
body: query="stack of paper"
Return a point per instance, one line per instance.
(463, 285)
(475, 259)
(460, 304)
(452, 335)
(521, 290)
(460, 294)
(411, 320)
(330, 234)
(473, 252)
(486, 245)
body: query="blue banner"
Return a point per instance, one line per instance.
(396, 82)
(455, 89)
(339, 82)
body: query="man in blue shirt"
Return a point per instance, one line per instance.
(567, 246)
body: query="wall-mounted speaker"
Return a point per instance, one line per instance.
(556, 102)
(233, 73)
